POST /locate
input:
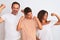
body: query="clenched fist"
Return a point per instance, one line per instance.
(2, 7)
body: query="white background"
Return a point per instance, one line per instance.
(36, 6)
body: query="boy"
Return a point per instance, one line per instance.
(28, 24)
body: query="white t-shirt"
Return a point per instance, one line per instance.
(11, 22)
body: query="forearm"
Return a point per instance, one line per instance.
(0, 10)
(2, 7)
(1, 20)
(19, 26)
(39, 23)
(58, 17)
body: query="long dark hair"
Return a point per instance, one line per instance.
(41, 15)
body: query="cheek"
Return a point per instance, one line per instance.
(45, 17)
(31, 15)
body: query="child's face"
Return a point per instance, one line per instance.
(29, 15)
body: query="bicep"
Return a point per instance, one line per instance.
(1, 20)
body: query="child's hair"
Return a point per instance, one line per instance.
(27, 10)
(41, 14)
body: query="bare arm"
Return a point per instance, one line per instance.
(19, 24)
(39, 23)
(2, 7)
(54, 14)
(1, 20)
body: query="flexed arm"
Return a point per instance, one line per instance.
(54, 14)
(2, 7)
(38, 22)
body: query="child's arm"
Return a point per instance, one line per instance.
(38, 22)
(2, 7)
(37, 38)
(19, 23)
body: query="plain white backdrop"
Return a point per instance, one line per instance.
(36, 6)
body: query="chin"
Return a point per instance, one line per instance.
(30, 18)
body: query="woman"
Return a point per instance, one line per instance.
(45, 33)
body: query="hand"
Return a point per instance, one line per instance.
(35, 18)
(2, 6)
(22, 11)
(53, 14)
(22, 18)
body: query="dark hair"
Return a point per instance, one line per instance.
(27, 10)
(15, 3)
(41, 15)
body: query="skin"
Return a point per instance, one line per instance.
(15, 9)
(45, 19)
(52, 14)
(2, 7)
(29, 17)
(58, 17)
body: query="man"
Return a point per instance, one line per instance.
(11, 21)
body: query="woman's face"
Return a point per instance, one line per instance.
(45, 16)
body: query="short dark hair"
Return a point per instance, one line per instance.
(15, 3)
(41, 14)
(27, 10)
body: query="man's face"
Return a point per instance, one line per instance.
(15, 8)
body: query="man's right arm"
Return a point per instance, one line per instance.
(1, 20)
(1, 8)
